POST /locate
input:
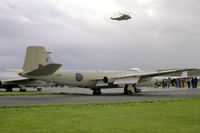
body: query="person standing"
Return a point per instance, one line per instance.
(188, 83)
(192, 81)
(179, 83)
(183, 83)
(168, 82)
(176, 83)
(195, 82)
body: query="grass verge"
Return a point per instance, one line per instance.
(166, 116)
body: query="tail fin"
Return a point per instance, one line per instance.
(36, 57)
(184, 74)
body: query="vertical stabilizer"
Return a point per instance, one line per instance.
(184, 74)
(36, 57)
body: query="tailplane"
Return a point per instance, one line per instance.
(38, 62)
(44, 71)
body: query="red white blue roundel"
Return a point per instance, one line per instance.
(79, 77)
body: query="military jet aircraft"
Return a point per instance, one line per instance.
(122, 17)
(39, 65)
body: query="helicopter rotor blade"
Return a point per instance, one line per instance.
(129, 13)
(121, 13)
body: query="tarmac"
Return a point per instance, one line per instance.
(81, 95)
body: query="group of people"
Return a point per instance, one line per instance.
(193, 82)
(180, 82)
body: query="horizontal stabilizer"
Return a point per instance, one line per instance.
(45, 70)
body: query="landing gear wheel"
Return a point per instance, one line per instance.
(39, 89)
(9, 89)
(96, 91)
(137, 90)
(22, 90)
(126, 91)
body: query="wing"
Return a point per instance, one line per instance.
(134, 78)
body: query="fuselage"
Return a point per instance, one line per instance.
(84, 78)
(78, 78)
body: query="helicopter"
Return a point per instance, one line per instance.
(122, 17)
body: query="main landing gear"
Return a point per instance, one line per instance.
(39, 89)
(126, 91)
(96, 91)
(22, 88)
(137, 90)
(129, 91)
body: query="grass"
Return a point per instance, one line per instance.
(161, 116)
(2, 93)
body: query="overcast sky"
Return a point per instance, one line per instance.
(81, 35)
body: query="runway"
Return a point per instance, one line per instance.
(79, 95)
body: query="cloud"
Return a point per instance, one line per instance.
(161, 33)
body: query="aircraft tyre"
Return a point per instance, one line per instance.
(22, 90)
(39, 89)
(9, 89)
(137, 90)
(96, 91)
(126, 91)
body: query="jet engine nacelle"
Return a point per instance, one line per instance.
(105, 80)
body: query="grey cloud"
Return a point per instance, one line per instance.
(81, 38)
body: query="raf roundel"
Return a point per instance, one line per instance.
(79, 77)
(48, 60)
